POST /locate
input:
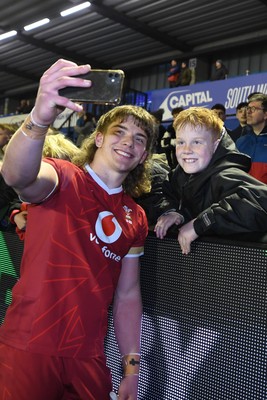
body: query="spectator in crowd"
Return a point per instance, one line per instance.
(86, 128)
(173, 74)
(241, 115)
(185, 75)
(24, 107)
(170, 128)
(81, 118)
(56, 145)
(159, 173)
(7, 197)
(220, 111)
(210, 191)
(158, 115)
(85, 234)
(220, 72)
(254, 143)
(7, 194)
(252, 94)
(6, 131)
(169, 140)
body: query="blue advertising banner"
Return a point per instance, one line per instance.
(228, 92)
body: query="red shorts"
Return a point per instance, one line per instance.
(29, 376)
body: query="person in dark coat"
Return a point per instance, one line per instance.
(220, 71)
(185, 75)
(7, 197)
(158, 115)
(210, 191)
(159, 173)
(168, 140)
(241, 115)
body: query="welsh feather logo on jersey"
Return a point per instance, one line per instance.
(107, 227)
(128, 214)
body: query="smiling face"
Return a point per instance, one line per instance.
(195, 147)
(123, 146)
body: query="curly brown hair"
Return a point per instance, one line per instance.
(138, 180)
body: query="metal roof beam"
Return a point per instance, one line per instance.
(138, 26)
(61, 52)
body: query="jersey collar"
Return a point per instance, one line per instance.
(99, 181)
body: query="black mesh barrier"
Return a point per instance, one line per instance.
(204, 323)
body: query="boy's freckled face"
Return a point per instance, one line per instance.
(194, 148)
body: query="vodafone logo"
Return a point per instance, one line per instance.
(107, 227)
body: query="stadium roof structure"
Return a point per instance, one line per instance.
(125, 34)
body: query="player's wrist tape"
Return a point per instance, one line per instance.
(32, 130)
(131, 364)
(35, 123)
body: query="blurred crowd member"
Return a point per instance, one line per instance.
(158, 115)
(7, 194)
(220, 72)
(7, 197)
(87, 124)
(210, 191)
(185, 75)
(173, 74)
(168, 141)
(24, 107)
(6, 132)
(159, 173)
(254, 143)
(220, 111)
(58, 146)
(252, 94)
(241, 115)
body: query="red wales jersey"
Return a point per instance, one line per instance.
(74, 245)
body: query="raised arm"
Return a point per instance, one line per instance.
(22, 167)
(127, 314)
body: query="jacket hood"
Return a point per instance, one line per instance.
(227, 156)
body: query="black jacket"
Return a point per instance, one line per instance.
(223, 198)
(219, 73)
(149, 201)
(7, 196)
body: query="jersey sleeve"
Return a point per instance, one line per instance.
(137, 248)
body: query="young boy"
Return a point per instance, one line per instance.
(210, 191)
(84, 237)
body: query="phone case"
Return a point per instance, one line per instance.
(106, 88)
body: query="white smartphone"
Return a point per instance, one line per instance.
(107, 85)
(113, 396)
